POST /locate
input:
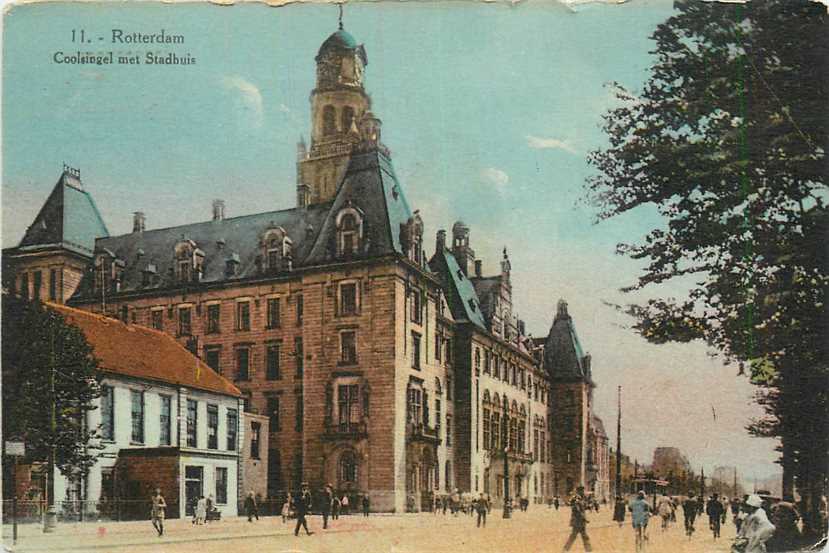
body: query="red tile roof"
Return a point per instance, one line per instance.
(141, 352)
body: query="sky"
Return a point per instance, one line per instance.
(489, 109)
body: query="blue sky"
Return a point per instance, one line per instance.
(489, 110)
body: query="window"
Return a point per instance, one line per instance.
(477, 360)
(438, 415)
(536, 444)
(450, 390)
(272, 406)
(299, 412)
(415, 408)
(164, 421)
(299, 352)
(137, 416)
(243, 315)
(415, 350)
(417, 308)
(38, 281)
(329, 121)
(157, 319)
(192, 423)
(347, 118)
(513, 437)
(107, 412)
(496, 369)
(184, 270)
(212, 355)
(212, 427)
(348, 347)
(221, 485)
(437, 346)
(232, 425)
(448, 430)
(272, 352)
(243, 363)
(24, 285)
(184, 321)
(349, 235)
(255, 430)
(448, 351)
(53, 284)
(347, 405)
(273, 312)
(348, 298)
(213, 311)
(487, 363)
(300, 309)
(274, 257)
(348, 467)
(496, 431)
(487, 435)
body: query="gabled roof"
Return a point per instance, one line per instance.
(370, 186)
(487, 289)
(564, 357)
(140, 352)
(460, 293)
(69, 218)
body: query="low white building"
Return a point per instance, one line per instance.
(166, 420)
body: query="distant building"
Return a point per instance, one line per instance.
(669, 463)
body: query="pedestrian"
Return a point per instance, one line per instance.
(325, 508)
(303, 505)
(734, 506)
(201, 510)
(715, 511)
(344, 503)
(689, 511)
(664, 508)
(482, 507)
(335, 508)
(456, 502)
(365, 505)
(251, 507)
(210, 507)
(578, 521)
(157, 513)
(444, 502)
(640, 513)
(756, 528)
(286, 508)
(619, 510)
(556, 502)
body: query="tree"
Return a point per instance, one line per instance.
(41, 353)
(727, 141)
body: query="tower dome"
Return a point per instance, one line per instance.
(340, 39)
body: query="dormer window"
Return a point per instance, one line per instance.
(277, 250)
(189, 261)
(232, 265)
(349, 232)
(109, 272)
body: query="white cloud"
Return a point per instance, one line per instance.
(538, 143)
(495, 176)
(250, 95)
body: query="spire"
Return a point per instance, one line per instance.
(340, 5)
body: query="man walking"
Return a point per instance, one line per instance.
(251, 509)
(303, 505)
(327, 498)
(578, 521)
(715, 512)
(689, 510)
(365, 505)
(619, 510)
(482, 506)
(640, 512)
(158, 508)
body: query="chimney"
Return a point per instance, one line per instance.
(218, 210)
(477, 267)
(440, 242)
(138, 221)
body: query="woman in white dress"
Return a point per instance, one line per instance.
(201, 510)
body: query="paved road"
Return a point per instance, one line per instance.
(541, 530)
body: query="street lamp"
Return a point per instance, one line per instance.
(507, 512)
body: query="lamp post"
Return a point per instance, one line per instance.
(507, 512)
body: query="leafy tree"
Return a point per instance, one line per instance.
(727, 141)
(39, 346)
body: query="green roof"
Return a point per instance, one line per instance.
(463, 301)
(339, 39)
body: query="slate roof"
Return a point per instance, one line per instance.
(460, 292)
(564, 358)
(69, 218)
(484, 287)
(140, 352)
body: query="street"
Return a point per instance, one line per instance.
(539, 530)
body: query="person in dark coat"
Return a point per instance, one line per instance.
(325, 508)
(365, 505)
(302, 506)
(335, 508)
(715, 512)
(482, 506)
(689, 510)
(556, 502)
(251, 508)
(619, 510)
(578, 520)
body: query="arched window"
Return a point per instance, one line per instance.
(486, 396)
(349, 231)
(329, 121)
(348, 468)
(188, 261)
(276, 249)
(347, 118)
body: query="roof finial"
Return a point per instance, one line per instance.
(340, 5)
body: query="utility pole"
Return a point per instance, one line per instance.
(735, 483)
(50, 517)
(506, 513)
(619, 445)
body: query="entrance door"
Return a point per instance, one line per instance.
(193, 487)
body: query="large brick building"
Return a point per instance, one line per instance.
(378, 372)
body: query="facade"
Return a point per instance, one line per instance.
(166, 421)
(375, 371)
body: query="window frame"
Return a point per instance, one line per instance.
(108, 434)
(352, 308)
(273, 311)
(165, 430)
(348, 348)
(212, 426)
(185, 324)
(242, 376)
(214, 324)
(138, 428)
(243, 315)
(192, 423)
(273, 371)
(232, 430)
